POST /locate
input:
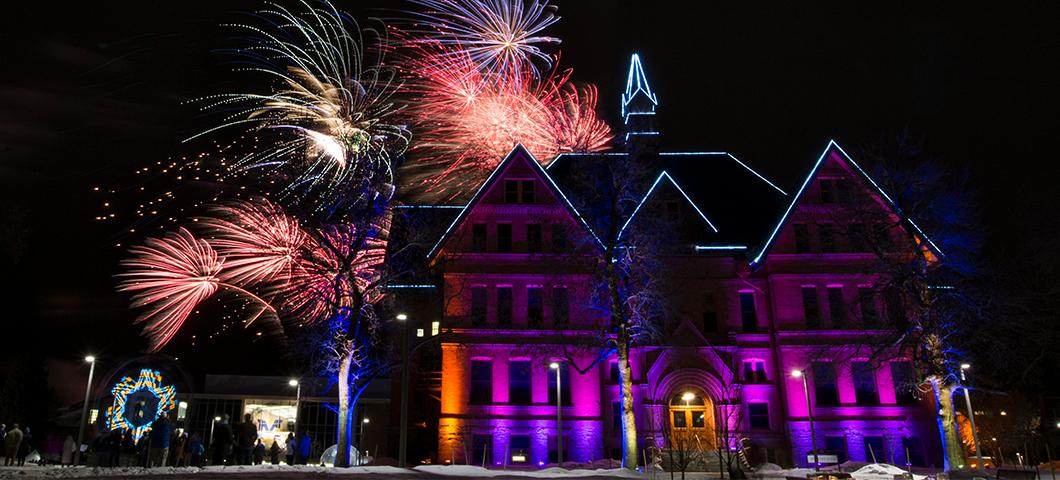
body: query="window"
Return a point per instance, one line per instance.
(894, 308)
(842, 192)
(874, 451)
(534, 307)
(826, 233)
(867, 300)
(673, 211)
(616, 415)
(533, 237)
(504, 306)
(747, 312)
(553, 451)
(478, 237)
(754, 371)
(481, 381)
(559, 237)
(478, 306)
(904, 382)
(519, 382)
(836, 446)
(520, 448)
(504, 237)
(527, 193)
(802, 238)
(560, 306)
(827, 191)
(865, 383)
(758, 414)
(857, 240)
(699, 419)
(824, 383)
(810, 310)
(836, 307)
(710, 314)
(679, 419)
(614, 376)
(564, 384)
(511, 191)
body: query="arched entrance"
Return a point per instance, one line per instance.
(692, 417)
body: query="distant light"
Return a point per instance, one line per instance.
(366, 420)
(688, 396)
(965, 366)
(217, 419)
(435, 328)
(292, 382)
(419, 332)
(1003, 413)
(90, 359)
(554, 365)
(796, 373)
(402, 317)
(183, 404)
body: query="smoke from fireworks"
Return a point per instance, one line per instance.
(475, 100)
(330, 122)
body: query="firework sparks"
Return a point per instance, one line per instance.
(259, 242)
(171, 276)
(497, 35)
(332, 113)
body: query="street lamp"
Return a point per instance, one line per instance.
(213, 424)
(84, 408)
(297, 404)
(364, 425)
(403, 435)
(559, 415)
(809, 414)
(971, 416)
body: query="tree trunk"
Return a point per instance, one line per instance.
(629, 421)
(342, 453)
(953, 455)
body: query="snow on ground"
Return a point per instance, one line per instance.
(35, 472)
(554, 472)
(872, 471)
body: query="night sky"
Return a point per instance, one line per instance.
(92, 90)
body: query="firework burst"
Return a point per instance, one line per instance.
(497, 35)
(260, 243)
(330, 125)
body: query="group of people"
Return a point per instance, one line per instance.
(239, 445)
(17, 444)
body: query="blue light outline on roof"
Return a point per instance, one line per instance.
(640, 79)
(737, 160)
(412, 285)
(409, 207)
(648, 195)
(720, 247)
(583, 154)
(810, 176)
(489, 180)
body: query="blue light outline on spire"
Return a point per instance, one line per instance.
(658, 180)
(737, 160)
(813, 173)
(637, 81)
(474, 198)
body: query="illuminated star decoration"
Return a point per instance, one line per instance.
(138, 402)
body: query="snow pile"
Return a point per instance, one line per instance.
(768, 467)
(878, 469)
(554, 472)
(872, 471)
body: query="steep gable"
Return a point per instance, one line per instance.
(518, 193)
(821, 219)
(667, 205)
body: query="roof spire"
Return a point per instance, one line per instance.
(637, 87)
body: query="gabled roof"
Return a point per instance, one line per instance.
(741, 202)
(655, 187)
(833, 146)
(511, 157)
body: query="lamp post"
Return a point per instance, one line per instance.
(364, 425)
(213, 424)
(403, 434)
(559, 414)
(84, 408)
(297, 404)
(971, 416)
(809, 414)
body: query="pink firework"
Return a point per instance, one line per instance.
(468, 119)
(171, 276)
(260, 243)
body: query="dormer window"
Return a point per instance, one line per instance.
(519, 191)
(827, 191)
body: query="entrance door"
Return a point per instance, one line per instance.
(692, 418)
